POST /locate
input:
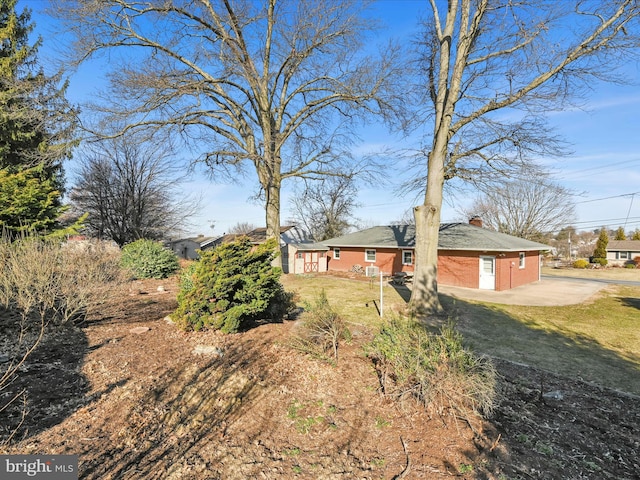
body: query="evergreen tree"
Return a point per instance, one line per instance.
(29, 200)
(36, 128)
(231, 286)
(620, 235)
(601, 245)
(636, 234)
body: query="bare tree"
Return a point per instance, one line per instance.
(325, 208)
(131, 189)
(275, 84)
(527, 209)
(242, 228)
(493, 69)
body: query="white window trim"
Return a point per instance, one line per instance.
(521, 260)
(366, 254)
(410, 252)
(336, 253)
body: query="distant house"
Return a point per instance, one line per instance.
(187, 248)
(468, 255)
(621, 252)
(298, 254)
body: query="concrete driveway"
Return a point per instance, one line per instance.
(547, 292)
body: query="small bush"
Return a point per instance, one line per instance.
(630, 265)
(600, 261)
(231, 286)
(433, 368)
(149, 259)
(580, 263)
(636, 260)
(322, 330)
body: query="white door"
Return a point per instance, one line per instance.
(488, 273)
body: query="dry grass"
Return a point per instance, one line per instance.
(358, 301)
(610, 273)
(597, 341)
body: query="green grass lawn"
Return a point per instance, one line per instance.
(598, 341)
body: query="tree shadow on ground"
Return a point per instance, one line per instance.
(495, 333)
(554, 409)
(631, 302)
(186, 425)
(50, 379)
(403, 291)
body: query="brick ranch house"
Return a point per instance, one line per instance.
(468, 255)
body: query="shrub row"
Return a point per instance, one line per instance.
(54, 280)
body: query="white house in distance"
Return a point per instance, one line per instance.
(187, 248)
(621, 252)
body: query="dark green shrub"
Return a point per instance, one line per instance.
(149, 259)
(321, 330)
(232, 285)
(580, 263)
(630, 265)
(434, 368)
(600, 261)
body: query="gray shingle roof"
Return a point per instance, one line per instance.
(453, 236)
(623, 245)
(311, 247)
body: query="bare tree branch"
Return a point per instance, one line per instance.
(492, 70)
(131, 190)
(258, 82)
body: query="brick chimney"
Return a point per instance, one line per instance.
(476, 220)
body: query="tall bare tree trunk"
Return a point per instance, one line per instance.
(424, 296)
(272, 208)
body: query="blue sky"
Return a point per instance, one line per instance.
(604, 137)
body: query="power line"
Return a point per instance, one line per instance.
(596, 170)
(609, 198)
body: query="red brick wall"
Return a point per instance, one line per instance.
(462, 269)
(510, 275)
(459, 269)
(388, 260)
(455, 268)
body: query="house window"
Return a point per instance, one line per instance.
(623, 255)
(336, 253)
(370, 255)
(407, 257)
(522, 257)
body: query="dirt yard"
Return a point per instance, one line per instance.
(136, 398)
